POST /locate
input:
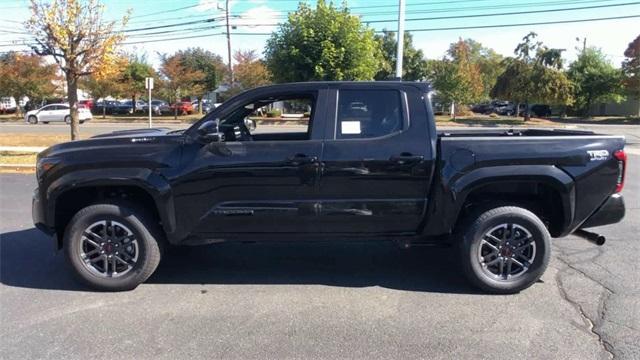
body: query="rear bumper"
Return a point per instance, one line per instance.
(610, 212)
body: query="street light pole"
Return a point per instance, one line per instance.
(226, 11)
(400, 49)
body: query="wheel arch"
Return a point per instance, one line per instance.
(76, 190)
(547, 191)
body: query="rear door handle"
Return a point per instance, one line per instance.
(301, 159)
(406, 157)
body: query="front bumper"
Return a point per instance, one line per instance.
(610, 212)
(37, 214)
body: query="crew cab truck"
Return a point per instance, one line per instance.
(364, 162)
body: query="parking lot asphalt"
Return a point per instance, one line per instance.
(320, 300)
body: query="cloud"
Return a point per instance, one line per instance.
(216, 5)
(261, 18)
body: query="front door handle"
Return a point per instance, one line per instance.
(404, 158)
(301, 159)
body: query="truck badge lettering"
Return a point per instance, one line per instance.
(598, 155)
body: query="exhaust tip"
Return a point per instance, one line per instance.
(591, 237)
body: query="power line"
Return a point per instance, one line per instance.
(506, 13)
(431, 29)
(525, 24)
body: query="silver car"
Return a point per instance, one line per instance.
(56, 113)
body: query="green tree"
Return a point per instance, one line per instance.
(456, 78)
(208, 63)
(133, 77)
(78, 37)
(26, 75)
(413, 62)
(488, 61)
(324, 43)
(595, 80)
(631, 68)
(534, 75)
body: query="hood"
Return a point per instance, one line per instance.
(134, 133)
(118, 144)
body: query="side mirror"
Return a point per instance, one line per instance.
(208, 132)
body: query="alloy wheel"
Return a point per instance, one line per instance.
(506, 251)
(108, 249)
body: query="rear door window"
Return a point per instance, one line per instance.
(368, 113)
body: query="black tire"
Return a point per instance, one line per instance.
(33, 120)
(81, 122)
(141, 224)
(45, 122)
(67, 119)
(470, 238)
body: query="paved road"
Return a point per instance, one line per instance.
(244, 301)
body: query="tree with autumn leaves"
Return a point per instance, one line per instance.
(80, 40)
(26, 76)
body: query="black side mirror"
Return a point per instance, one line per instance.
(209, 132)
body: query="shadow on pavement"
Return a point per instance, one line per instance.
(27, 259)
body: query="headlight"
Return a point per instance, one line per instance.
(43, 165)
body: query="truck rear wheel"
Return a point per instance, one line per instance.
(112, 246)
(504, 250)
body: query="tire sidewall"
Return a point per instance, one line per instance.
(491, 219)
(33, 119)
(73, 239)
(67, 119)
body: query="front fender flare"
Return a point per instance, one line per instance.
(151, 182)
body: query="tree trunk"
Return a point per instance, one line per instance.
(175, 111)
(104, 108)
(452, 111)
(200, 105)
(72, 95)
(516, 111)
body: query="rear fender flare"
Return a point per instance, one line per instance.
(548, 175)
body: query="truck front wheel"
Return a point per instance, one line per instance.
(112, 246)
(504, 250)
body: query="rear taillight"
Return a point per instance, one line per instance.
(622, 167)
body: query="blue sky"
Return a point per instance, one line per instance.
(253, 17)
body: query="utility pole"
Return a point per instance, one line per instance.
(226, 12)
(148, 83)
(400, 49)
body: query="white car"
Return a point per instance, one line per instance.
(56, 113)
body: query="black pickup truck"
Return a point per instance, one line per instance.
(364, 161)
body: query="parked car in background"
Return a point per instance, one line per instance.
(540, 110)
(206, 106)
(485, 109)
(104, 106)
(182, 107)
(85, 103)
(126, 107)
(158, 107)
(56, 113)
